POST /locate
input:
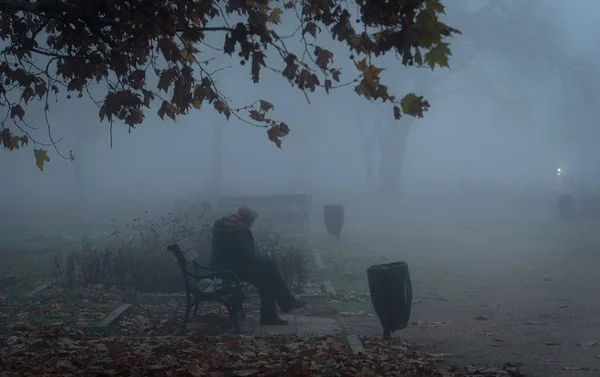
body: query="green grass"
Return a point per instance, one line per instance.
(346, 266)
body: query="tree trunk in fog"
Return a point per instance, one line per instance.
(300, 179)
(217, 158)
(369, 140)
(78, 202)
(390, 137)
(78, 166)
(393, 145)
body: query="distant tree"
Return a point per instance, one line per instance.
(124, 45)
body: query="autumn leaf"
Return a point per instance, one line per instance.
(435, 6)
(222, 108)
(374, 71)
(438, 55)
(336, 75)
(196, 371)
(17, 111)
(197, 103)
(255, 115)
(232, 343)
(414, 105)
(361, 65)
(397, 113)
(310, 28)
(169, 49)
(167, 109)
(324, 57)
(266, 106)
(40, 155)
(277, 132)
(245, 373)
(14, 143)
(275, 16)
(188, 50)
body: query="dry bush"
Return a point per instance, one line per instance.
(290, 257)
(137, 257)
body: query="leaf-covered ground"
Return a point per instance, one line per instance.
(60, 350)
(150, 315)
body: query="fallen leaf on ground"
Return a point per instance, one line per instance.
(587, 344)
(576, 369)
(486, 333)
(31, 348)
(535, 323)
(430, 324)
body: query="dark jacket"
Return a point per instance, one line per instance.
(232, 244)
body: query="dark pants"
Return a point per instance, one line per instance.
(263, 273)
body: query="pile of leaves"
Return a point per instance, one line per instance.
(57, 349)
(136, 256)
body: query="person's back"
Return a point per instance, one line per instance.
(232, 244)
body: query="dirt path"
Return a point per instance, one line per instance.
(487, 291)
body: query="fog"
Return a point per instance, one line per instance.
(514, 107)
(492, 198)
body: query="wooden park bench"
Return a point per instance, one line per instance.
(222, 286)
(287, 213)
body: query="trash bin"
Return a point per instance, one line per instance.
(334, 219)
(391, 295)
(566, 206)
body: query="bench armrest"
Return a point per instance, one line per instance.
(219, 273)
(228, 275)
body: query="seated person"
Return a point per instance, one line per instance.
(233, 250)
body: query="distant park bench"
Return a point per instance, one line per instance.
(285, 213)
(210, 285)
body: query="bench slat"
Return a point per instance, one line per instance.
(188, 249)
(186, 244)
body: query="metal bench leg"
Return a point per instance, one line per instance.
(195, 306)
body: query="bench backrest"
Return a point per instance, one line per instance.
(185, 251)
(280, 210)
(271, 206)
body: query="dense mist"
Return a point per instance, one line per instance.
(514, 106)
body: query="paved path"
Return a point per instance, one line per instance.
(297, 325)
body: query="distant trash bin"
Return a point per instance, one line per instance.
(391, 295)
(566, 206)
(334, 219)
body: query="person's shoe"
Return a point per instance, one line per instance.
(273, 321)
(296, 304)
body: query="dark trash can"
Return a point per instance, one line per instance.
(391, 295)
(334, 219)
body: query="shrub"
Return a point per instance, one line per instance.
(137, 257)
(290, 257)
